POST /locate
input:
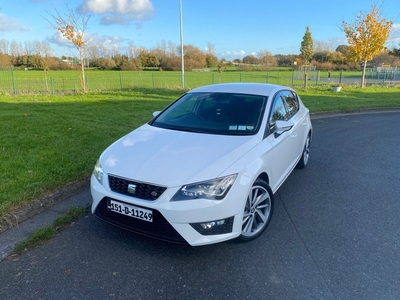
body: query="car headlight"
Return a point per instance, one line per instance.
(214, 189)
(98, 172)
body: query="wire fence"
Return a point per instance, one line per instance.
(16, 83)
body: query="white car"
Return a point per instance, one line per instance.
(205, 169)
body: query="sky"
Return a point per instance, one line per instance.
(234, 28)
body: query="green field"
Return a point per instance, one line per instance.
(56, 82)
(48, 141)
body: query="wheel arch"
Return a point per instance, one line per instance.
(264, 176)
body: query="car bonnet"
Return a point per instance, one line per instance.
(173, 158)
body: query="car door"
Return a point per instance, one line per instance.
(301, 122)
(293, 115)
(284, 146)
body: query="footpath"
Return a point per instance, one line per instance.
(41, 212)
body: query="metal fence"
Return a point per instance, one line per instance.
(16, 83)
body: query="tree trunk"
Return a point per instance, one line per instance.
(82, 61)
(363, 74)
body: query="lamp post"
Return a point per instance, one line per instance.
(182, 60)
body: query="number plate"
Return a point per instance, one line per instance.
(130, 210)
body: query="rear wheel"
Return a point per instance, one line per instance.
(257, 211)
(305, 155)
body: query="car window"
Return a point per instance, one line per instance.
(292, 103)
(278, 112)
(215, 113)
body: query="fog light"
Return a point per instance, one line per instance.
(214, 227)
(212, 224)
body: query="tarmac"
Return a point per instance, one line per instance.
(19, 224)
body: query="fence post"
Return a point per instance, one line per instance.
(120, 81)
(152, 78)
(240, 77)
(52, 85)
(305, 80)
(13, 81)
(340, 77)
(316, 78)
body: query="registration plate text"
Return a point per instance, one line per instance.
(130, 210)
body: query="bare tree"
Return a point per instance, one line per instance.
(4, 46)
(15, 49)
(210, 48)
(73, 26)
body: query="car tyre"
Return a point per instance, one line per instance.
(305, 155)
(257, 211)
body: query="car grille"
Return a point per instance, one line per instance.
(159, 228)
(135, 189)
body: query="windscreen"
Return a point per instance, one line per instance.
(214, 113)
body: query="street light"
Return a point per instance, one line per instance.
(182, 60)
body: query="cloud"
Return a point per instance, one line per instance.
(234, 54)
(107, 42)
(60, 40)
(104, 42)
(10, 24)
(120, 12)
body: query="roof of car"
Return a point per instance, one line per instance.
(242, 88)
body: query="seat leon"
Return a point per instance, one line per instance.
(205, 169)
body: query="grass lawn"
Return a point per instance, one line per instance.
(49, 141)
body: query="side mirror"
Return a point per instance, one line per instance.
(156, 113)
(282, 126)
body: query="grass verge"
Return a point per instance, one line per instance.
(43, 234)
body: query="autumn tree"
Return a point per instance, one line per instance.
(266, 60)
(307, 46)
(148, 59)
(250, 60)
(367, 36)
(72, 27)
(194, 57)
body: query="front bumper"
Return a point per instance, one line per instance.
(176, 221)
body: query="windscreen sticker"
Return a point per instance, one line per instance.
(240, 127)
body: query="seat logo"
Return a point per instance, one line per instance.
(131, 188)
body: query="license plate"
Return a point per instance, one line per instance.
(130, 210)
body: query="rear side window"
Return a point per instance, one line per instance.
(292, 103)
(278, 112)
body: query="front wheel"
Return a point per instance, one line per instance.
(257, 211)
